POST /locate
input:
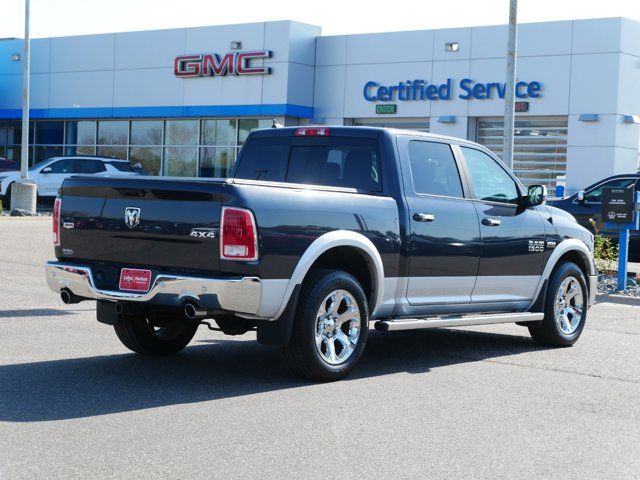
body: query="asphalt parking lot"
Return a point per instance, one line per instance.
(459, 403)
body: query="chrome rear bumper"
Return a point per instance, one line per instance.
(241, 295)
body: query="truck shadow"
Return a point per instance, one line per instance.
(86, 387)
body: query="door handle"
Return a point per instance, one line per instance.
(491, 222)
(424, 217)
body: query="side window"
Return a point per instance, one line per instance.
(433, 169)
(490, 181)
(595, 195)
(62, 166)
(89, 166)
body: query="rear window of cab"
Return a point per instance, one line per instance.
(336, 161)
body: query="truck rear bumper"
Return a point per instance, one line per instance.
(238, 294)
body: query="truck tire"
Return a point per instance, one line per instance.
(166, 337)
(330, 327)
(565, 311)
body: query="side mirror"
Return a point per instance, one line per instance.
(46, 170)
(580, 196)
(536, 195)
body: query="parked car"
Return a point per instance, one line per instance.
(49, 174)
(8, 165)
(317, 232)
(587, 204)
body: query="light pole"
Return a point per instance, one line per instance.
(23, 192)
(509, 98)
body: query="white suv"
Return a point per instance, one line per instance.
(49, 174)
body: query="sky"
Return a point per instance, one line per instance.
(54, 18)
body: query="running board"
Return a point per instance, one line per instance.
(456, 321)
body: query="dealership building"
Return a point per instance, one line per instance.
(182, 101)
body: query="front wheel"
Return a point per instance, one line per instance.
(565, 310)
(159, 336)
(331, 326)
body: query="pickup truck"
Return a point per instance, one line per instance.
(317, 233)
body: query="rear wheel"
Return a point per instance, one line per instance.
(160, 336)
(331, 326)
(565, 311)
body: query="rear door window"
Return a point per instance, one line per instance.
(433, 169)
(89, 166)
(122, 166)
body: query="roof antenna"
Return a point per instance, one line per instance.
(275, 124)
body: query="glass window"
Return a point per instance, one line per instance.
(595, 195)
(345, 162)
(14, 132)
(219, 132)
(81, 132)
(216, 161)
(3, 134)
(73, 150)
(181, 132)
(89, 166)
(62, 166)
(42, 153)
(113, 132)
(147, 160)
(247, 125)
(113, 152)
(146, 132)
(122, 166)
(13, 153)
(433, 169)
(264, 159)
(180, 161)
(490, 181)
(49, 132)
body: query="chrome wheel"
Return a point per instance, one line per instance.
(569, 305)
(337, 327)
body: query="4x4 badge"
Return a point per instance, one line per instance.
(203, 233)
(132, 217)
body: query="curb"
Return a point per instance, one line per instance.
(13, 219)
(619, 299)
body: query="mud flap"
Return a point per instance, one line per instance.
(278, 332)
(106, 312)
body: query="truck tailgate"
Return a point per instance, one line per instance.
(143, 221)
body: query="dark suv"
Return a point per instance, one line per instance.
(586, 205)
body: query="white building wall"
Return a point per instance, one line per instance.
(586, 66)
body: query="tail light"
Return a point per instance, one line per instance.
(56, 221)
(239, 236)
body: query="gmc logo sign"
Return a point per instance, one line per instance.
(212, 64)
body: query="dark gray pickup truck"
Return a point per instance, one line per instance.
(318, 232)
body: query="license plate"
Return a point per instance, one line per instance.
(135, 280)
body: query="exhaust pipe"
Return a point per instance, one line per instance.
(68, 297)
(195, 312)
